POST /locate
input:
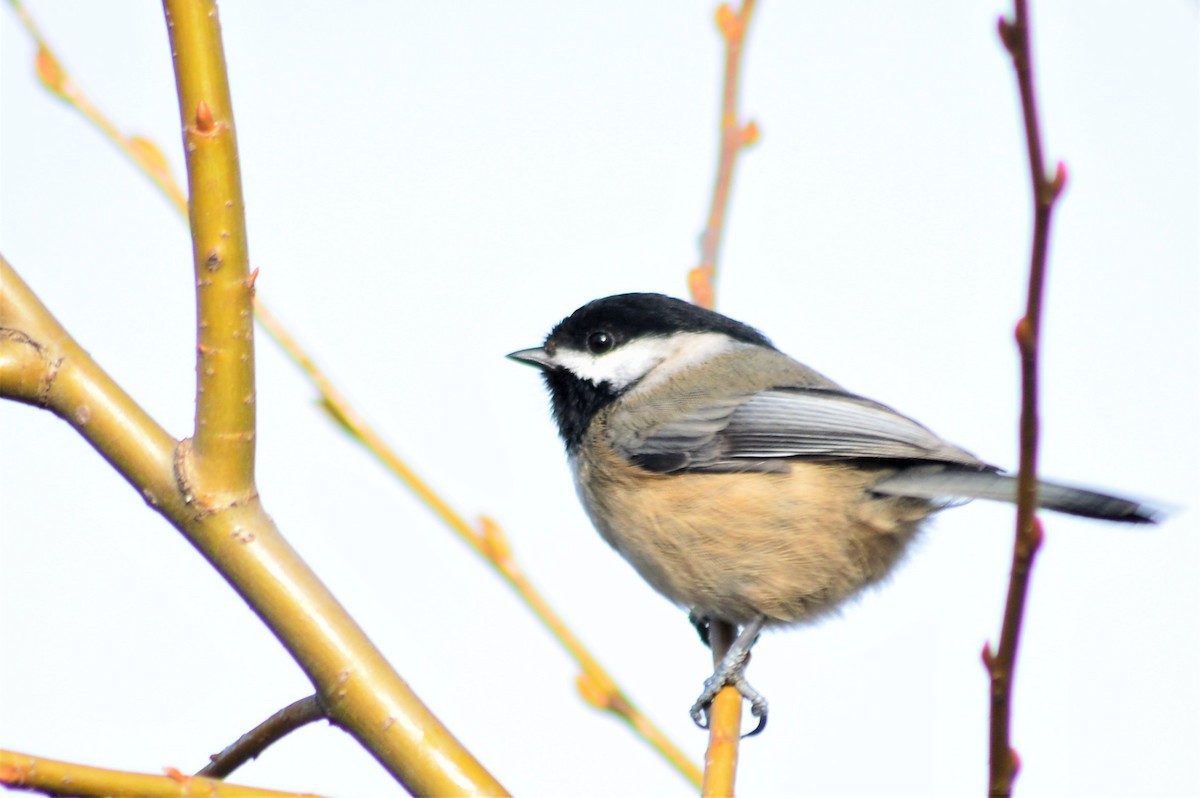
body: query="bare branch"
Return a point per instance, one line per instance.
(218, 462)
(734, 136)
(52, 777)
(1001, 664)
(724, 721)
(42, 365)
(247, 747)
(363, 693)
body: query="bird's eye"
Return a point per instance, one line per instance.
(600, 342)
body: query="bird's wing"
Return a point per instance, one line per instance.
(757, 432)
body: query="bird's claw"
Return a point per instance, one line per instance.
(713, 685)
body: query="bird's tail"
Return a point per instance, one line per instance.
(940, 482)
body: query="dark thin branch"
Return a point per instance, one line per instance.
(1001, 664)
(261, 737)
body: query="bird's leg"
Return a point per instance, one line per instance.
(729, 672)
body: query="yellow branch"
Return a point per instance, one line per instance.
(219, 463)
(43, 365)
(595, 684)
(724, 723)
(49, 776)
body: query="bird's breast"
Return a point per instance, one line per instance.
(732, 546)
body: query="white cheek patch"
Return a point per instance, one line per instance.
(620, 367)
(655, 356)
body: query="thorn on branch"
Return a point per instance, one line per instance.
(592, 692)
(700, 286)
(51, 73)
(1033, 541)
(729, 23)
(204, 118)
(493, 541)
(149, 156)
(1055, 185)
(1008, 35)
(1024, 333)
(600, 696)
(989, 658)
(749, 135)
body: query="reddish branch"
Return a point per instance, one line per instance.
(1003, 760)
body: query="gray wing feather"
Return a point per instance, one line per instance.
(823, 423)
(755, 432)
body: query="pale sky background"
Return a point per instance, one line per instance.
(430, 187)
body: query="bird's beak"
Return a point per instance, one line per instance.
(534, 357)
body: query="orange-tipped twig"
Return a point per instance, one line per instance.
(1001, 663)
(734, 136)
(148, 157)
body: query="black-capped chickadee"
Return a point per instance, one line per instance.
(742, 484)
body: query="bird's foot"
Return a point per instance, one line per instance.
(730, 671)
(713, 685)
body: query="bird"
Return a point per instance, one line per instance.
(743, 485)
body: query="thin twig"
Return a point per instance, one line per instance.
(725, 714)
(148, 157)
(724, 722)
(734, 136)
(247, 747)
(595, 684)
(1001, 664)
(53, 777)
